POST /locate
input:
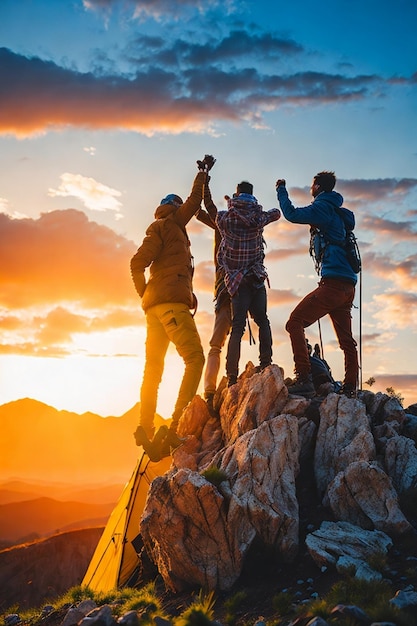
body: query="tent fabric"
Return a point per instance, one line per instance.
(115, 559)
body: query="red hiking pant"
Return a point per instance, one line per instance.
(335, 298)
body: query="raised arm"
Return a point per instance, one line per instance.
(193, 203)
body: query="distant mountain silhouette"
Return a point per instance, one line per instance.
(45, 516)
(39, 442)
(19, 491)
(34, 573)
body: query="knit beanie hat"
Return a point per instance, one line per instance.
(172, 198)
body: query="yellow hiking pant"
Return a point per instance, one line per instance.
(169, 322)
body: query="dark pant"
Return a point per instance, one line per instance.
(249, 299)
(335, 298)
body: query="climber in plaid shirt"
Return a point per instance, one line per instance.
(241, 255)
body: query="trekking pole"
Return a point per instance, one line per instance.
(321, 339)
(360, 330)
(251, 337)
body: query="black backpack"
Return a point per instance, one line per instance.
(320, 370)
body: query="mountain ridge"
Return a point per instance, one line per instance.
(18, 491)
(41, 570)
(39, 441)
(45, 516)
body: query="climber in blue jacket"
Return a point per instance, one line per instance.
(335, 293)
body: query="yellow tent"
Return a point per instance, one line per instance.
(115, 559)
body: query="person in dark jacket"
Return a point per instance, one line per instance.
(167, 300)
(336, 291)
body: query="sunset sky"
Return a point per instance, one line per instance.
(105, 106)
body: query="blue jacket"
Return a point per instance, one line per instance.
(321, 214)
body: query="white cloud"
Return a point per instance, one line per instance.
(4, 205)
(94, 195)
(6, 209)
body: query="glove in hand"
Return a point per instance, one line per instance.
(207, 163)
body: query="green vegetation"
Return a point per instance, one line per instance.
(359, 592)
(394, 394)
(200, 613)
(378, 562)
(231, 605)
(282, 603)
(144, 600)
(214, 475)
(390, 390)
(372, 597)
(319, 608)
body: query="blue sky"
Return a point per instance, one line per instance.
(104, 108)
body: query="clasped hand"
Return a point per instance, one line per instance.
(207, 163)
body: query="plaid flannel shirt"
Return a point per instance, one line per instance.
(241, 249)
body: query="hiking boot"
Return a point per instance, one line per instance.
(348, 390)
(231, 380)
(140, 436)
(303, 386)
(325, 388)
(210, 404)
(152, 448)
(171, 442)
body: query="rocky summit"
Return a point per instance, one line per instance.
(274, 492)
(233, 482)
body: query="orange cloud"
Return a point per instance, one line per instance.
(284, 253)
(63, 257)
(159, 96)
(62, 277)
(404, 230)
(281, 296)
(373, 342)
(402, 274)
(403, 384)
(203, 279)
(396, 310)
(53, 334)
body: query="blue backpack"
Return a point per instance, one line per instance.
(320, 240)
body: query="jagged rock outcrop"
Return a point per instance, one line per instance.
(186, 533)
(364, 495)
(401, 463)
(262, 466)
(251, 401)
(198, 534)
(344, 436)
(345, 545)
(234, 480)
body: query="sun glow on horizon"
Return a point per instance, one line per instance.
(117, 120)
